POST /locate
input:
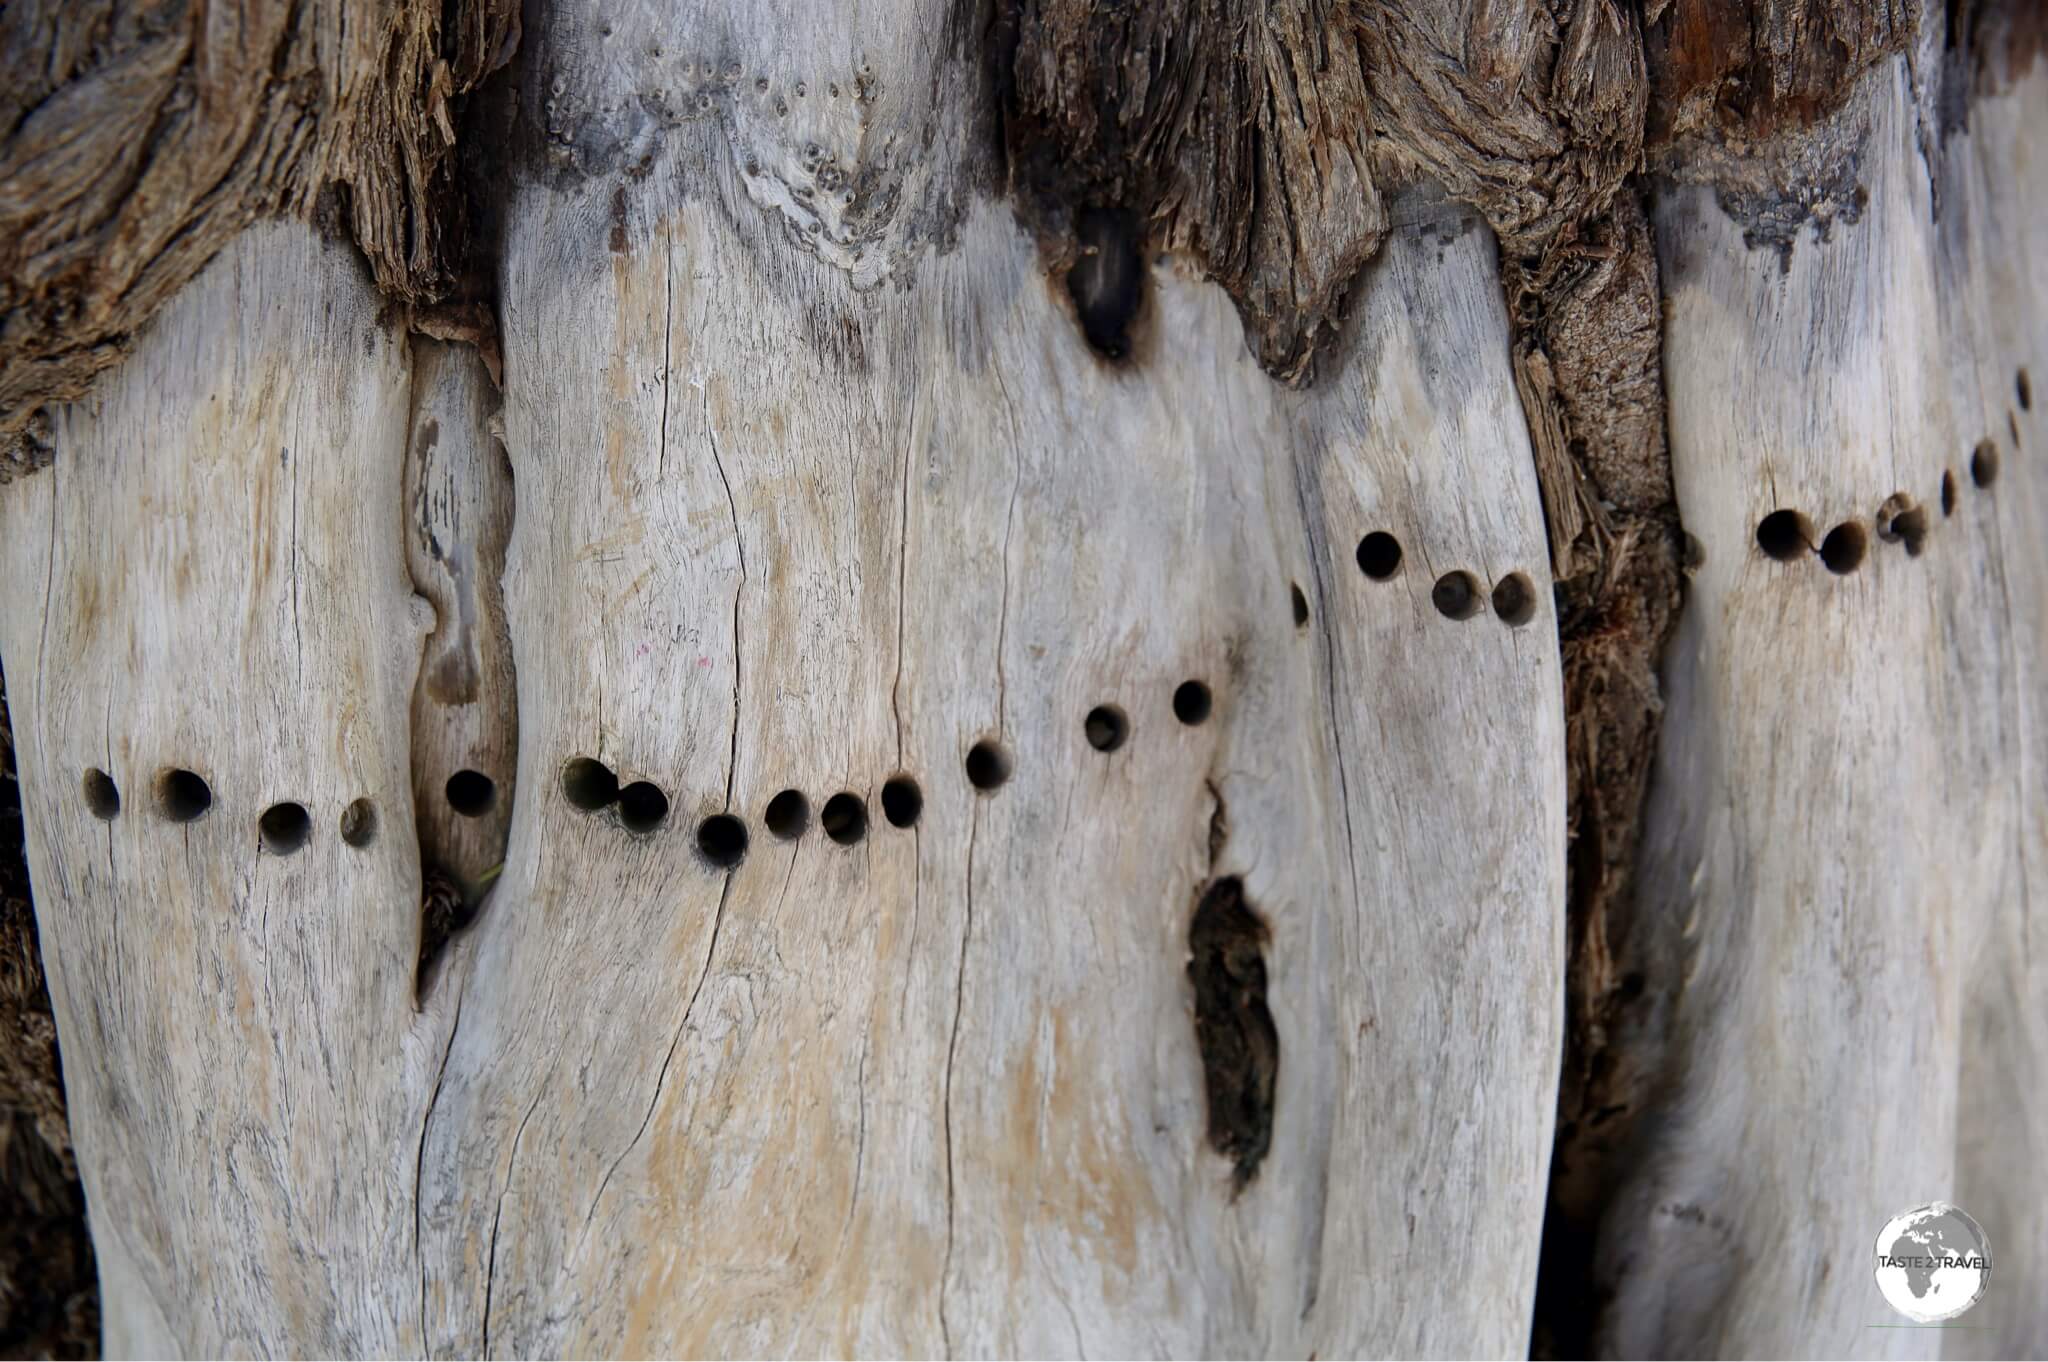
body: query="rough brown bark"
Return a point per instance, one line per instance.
(136, 139)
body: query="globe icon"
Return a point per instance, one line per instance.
(1932, 1262)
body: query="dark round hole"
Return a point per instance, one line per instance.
(284, 828)
(2023, 388)
(844, 818)
(642, 806)
(589, 784)
(359, 823)
(721, 838)
(1300, 605)
(1192, 702)
(1948, 492)
(988, 765)
(1514, 599)
(1984, 464)
(902, 801)
(182, 796)
(1844, 547)
(1106, 728)
(1456, 595)
(1784, 535)
(471, 793)
(1379, 555)
(101, 795)
(788, 814)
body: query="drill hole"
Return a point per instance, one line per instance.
(1300, 605)
(1514, 599)
(471, 793)
(1948, 492)
(1106, 728)
(1784, 535)
(902, 801)
(2023, 388)
(722, 840)
(1844, 548)
(787, 815)
(359, 823)
(844, 818)
(1192, 702)
(101, 795)
(284, 828)
(1984, 464)
(1379, 555)
(589, 784)
(1456, 595)
(182, 796)
(988, 766)
(642, 806)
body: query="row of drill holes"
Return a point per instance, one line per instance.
(722, 838)
(1457, 595)
(590, 785)
(183, 796)
(1787, 535)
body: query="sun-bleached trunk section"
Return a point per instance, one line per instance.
(937, 1087)
(210, 652)
(1844, 845)
(1996, 236)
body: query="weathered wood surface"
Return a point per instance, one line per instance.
(220, 588)
(940, 1090)
(818, 485)
(937, 1090)
(1844, 848)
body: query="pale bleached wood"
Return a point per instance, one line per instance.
(1996, 238)
(458, 518)
(211, 577)
(806, 513)
(1844, 841)
(940, 1091)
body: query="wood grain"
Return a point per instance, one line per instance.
(1843, 840)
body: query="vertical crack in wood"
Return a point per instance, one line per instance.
(740, 547)
(498, 1210)
(419, 1171)
(952, 1053)
(903, 571)
(668, 1059)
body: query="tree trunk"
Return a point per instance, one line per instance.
(1007, 756)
